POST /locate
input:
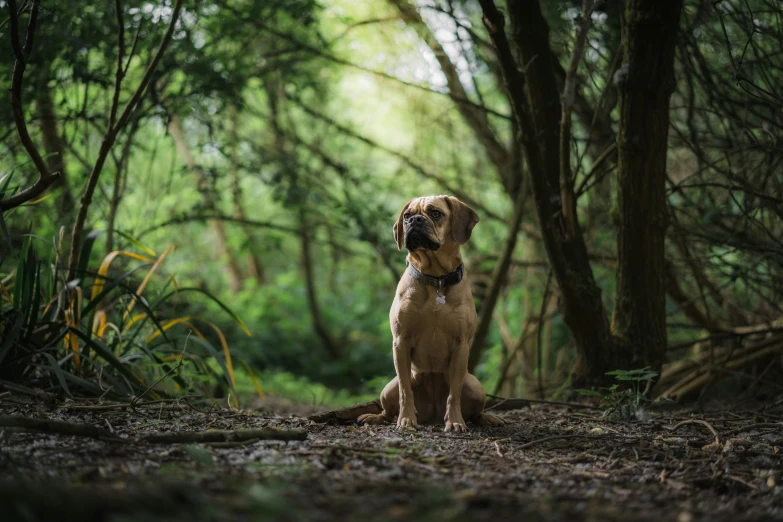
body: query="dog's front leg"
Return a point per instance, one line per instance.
(458, 369)
(402, 365)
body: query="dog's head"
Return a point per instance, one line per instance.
(434, 221)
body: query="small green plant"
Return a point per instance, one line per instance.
(629, 402)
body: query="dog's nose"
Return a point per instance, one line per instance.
(418, 219)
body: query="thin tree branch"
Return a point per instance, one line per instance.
(567, 199)
(499, 274)
(120, 71)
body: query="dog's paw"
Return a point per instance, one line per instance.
(406, 421)
(488, 419)
(372, 418)
(456, 426)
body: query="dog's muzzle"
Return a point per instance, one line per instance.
(416, 238)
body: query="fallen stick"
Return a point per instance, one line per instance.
(579, 436)
(54, 426)
(349, 414)
(515, 404)
(184, 437)
(175, 437)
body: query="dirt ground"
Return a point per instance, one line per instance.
(548, 463)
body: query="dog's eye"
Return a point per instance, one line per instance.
(406, 216)
(435, 214)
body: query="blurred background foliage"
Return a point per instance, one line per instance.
(278, 140)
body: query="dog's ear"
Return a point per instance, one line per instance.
(463, 219)
(399, 236)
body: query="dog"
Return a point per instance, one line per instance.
(433, 318)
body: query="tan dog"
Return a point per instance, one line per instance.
(432, 320)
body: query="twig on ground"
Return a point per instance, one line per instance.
(513, 404)
(741, 481)
(581, 436)
(234, 444)
(752, 427)
(180, 437)
(703, 423)
(497, 450)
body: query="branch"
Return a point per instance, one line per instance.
(54, 426)
(120, 71)
(567, 199)
(499, 274)
(219, 217)
(185, 437)
(108, 142)
(176, 437)
(475, 117)
(410, 162)
(320, 53)
(46, 178)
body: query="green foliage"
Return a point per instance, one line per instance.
(624, 400)
(328, 116)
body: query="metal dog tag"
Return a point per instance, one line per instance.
(439, 297)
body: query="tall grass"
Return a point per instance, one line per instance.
(106, 333)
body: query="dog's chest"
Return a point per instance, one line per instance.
(434, 331)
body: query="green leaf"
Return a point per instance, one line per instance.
(135, 242)
(84, 255)
(107, 355)
(589, 393)
(234, 316)
(58, 372)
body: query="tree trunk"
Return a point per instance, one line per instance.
(234, 272)
(53, 145)
(646, 81)
(583, 310)
(312, 300)
(255, 268)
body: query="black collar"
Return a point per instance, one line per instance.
(449, 279)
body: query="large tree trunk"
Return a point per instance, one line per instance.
(582, 307)
(538, 114)
(645, 81)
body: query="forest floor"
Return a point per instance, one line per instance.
(547, 463)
